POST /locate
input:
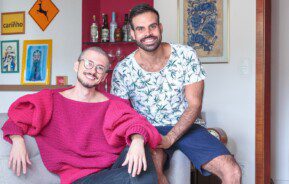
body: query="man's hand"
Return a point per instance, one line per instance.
(18, 155)
(167, 142)
(135, 157)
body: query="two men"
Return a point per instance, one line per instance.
(165, 83)
(81, 132)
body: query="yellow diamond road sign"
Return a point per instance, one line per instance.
(43, 12)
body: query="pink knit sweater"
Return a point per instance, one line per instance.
(75, 138)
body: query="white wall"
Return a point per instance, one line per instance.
(280, 91)
(229, 100)
(65, 32)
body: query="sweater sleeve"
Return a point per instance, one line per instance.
(28, 115)
(121, 121)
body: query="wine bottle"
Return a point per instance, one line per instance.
(104, 29)
(125, 28)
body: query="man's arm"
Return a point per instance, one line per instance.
(194, 96)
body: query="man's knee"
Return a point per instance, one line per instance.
(231, 171)
(226, 168)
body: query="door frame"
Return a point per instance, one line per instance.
(263, 83)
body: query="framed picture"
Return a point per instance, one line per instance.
(61, 80)
(36, 62)
(204, 26)
(13, 23)
(10, 56)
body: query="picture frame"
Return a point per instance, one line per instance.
(61, 80)
(36, 62)
(13, 23)
(9, 56)
(204, 25)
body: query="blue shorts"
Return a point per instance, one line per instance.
(198, 145)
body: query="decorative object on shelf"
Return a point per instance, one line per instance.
(10, 56)
(204, 24)
(61, 80)
(104, 29)
(219, 134)
(43, 12)
(94, 30)
(36, 62)
(13, 23)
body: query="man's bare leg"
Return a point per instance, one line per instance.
(159, 158)
(226, 168)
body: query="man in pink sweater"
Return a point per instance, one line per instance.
(82, 134)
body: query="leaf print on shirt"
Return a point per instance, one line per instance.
(172, 64)
(140, 74)
(133, 86)
(161, 107)
(156, 99)
(161, 99)
(148, 92)
(173, 74)
(145, 82)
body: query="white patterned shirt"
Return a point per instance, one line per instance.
(159, 96)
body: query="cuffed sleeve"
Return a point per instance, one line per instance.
(121, 121)
(136, 130)
(10, 128)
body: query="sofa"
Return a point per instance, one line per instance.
(178, 173)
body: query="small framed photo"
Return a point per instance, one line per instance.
(36, 62)
(10, 56)
(61, 80)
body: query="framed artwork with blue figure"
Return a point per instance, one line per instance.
(36, 62)
(205, 28)
(10, 56)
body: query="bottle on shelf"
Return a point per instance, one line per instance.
(125, 28)
(104, 29)
(113, 26)
(118, 35)
(129, 37)
(94, 30)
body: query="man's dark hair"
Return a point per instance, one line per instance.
(140, 9)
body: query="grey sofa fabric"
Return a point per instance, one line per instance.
(179, 172)
(36, 173)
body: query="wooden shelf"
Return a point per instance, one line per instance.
(30, 87)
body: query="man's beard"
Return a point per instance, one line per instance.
(85, 84)
(152, 47)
